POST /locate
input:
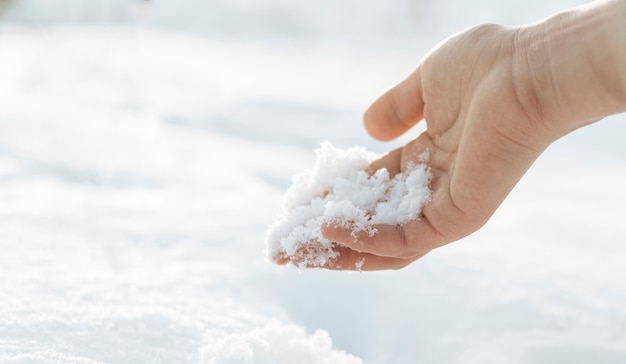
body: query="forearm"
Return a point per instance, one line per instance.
(575, 63)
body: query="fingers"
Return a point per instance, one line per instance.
(392, 247)
(409, 241)
(397, 110)
(349, 259)
(391, 161)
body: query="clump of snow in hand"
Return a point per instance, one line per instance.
(276, 344)
(339, 190)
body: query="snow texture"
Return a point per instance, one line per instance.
(339, 191)
(276, 344)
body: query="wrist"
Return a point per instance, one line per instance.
(570, 69)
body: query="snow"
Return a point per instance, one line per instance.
(141, 165)
(339, 191)
(276, 344)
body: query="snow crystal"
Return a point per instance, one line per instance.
(338, 190)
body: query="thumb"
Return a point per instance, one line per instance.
(397, 110)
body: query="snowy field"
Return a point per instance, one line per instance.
(144, 153)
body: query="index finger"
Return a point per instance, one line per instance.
(391, 161)
(348, 259)
(409, 241)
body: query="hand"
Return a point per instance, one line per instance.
(481, 137)
(493, 98)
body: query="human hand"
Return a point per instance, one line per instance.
(493, 98)
(480, 139)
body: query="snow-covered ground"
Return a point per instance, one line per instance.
(144, 154)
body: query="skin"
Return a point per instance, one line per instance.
(493, 99)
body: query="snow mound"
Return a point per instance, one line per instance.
(276, 344)
(339, 190)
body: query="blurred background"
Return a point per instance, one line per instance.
(145, 146)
